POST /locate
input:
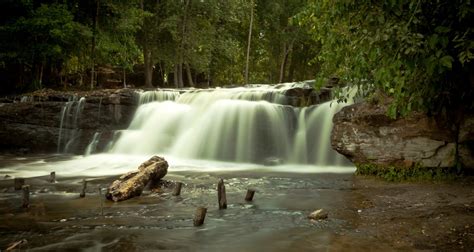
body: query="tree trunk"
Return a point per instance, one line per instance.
(148, 66)
(163, 75)
(124, 78)
(287, 48)
(248, 45)
(190, 76)
(94, 35)
(40, 79)
(182, 44)
(147, 56)
(180, 76)
(175, 76)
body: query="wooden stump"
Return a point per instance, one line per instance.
(199, 216)
(84, 186)
(19, 182)
(101, 202)
(177, 188)
(221, 197)
(52, 177)
(26, 196)
(249, 195)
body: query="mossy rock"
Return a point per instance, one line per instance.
(414, 173)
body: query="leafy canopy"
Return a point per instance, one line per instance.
(418, 52)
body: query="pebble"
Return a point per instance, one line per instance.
(318, 215)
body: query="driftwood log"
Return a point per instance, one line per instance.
(131, 184)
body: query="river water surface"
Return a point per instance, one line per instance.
(276, 220)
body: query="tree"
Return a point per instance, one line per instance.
(417, 52)
(46, 36)
(247, 58)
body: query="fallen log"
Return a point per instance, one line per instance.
(132, 184)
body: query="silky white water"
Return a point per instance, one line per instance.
(243, 125)
(100, 165)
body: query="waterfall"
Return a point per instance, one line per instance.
(246, 125)
(157, 95)
(92, 146)
(68, 127)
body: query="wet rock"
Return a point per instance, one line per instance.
(132, 184)
(366, 135)
(33, 124)
(319, 214)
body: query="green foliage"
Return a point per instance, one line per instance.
(116, 43)
(415, 173)
(418, 52)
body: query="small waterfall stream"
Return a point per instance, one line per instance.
(68, 127)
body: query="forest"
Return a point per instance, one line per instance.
(237, 125)
(418, 52)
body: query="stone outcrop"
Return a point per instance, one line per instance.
(466, 142)
(132, 184)
(33, 121)
(366, 135)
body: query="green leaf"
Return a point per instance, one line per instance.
(447, 61)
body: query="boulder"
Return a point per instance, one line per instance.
(132, 184)
(366, 135)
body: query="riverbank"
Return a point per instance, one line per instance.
(364, 213)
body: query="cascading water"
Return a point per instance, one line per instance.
(92, 146)
(245, 125)
(68, 128)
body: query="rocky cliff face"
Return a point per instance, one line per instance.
(33, 123)
(366, 135)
